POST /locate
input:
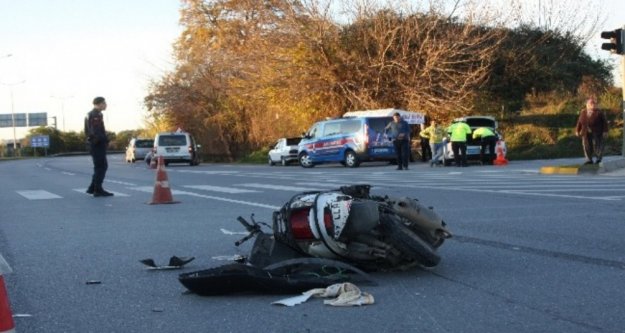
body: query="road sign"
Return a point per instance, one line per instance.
(37, 119)
(40, 141)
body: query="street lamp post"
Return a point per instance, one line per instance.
(11, 85)
(63, 98)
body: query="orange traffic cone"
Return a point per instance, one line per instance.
(500, 160)
(162, 192)
(6, 318)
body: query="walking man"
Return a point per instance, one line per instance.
(98, 141)
(458, 132)
(399, 131)
(488, 139)
(592, 126)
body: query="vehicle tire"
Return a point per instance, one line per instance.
(351, 160)
(133, 160)
(283, 161)
(408, 242)
(270, 162)
(305, 161)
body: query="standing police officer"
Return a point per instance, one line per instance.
(98, 141)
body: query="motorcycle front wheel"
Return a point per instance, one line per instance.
(408, 242)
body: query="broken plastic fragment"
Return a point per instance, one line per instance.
(347, 294)
(174, 263)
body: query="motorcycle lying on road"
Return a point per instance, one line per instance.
(347, 229)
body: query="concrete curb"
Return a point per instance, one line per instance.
(607, 166)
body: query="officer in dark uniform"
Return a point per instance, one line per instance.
(98, 141)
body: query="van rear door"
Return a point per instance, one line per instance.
(379, 143)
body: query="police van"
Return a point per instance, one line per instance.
(357, 137)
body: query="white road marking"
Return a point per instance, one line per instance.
(228, 232)
(208, 172)
(279, 187)
(219, 189)
(324, 184)
(38, 195)
(176, 192)
(120, 182)
(117, 194)
(68, 173)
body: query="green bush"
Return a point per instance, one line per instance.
(256, 157)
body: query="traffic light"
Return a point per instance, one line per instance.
(617, 39)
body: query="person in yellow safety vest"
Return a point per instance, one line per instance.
(436, 134)
(488, 138)
(459, 131)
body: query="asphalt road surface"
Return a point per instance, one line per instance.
(530, 253)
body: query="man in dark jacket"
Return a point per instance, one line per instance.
(592, 126)
(399, 131)
(98, 141)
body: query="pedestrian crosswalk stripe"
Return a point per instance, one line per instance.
(117, 194)
(222, 189)
(38, 195)
(280, 187)
(175, 193)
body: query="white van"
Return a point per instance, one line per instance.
(176, 147)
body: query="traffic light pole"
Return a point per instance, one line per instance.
(623, 100)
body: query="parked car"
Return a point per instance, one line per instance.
(474, 145)
(348, 141)
(176, 147)
(137, 149)
(284, 151)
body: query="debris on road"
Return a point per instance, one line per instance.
(174, 263)
(345, 294)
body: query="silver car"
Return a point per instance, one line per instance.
(138, 148)
(284, 151)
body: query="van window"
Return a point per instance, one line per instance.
(312, 133)
(378, 124)
(172, 140)
(144, 143)
(332, 129)
(350, 126)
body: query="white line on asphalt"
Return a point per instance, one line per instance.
(220, 189)
(120, 182)
(228, 232)
(279, 187)
(68, 173)
(149, 189)
(38, 195)
(117, 194)
(208, 172)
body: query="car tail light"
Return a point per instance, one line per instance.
(300, 226)
(366, 138)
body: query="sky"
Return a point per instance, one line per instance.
(57, 55)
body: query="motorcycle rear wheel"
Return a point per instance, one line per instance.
(408, 242)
